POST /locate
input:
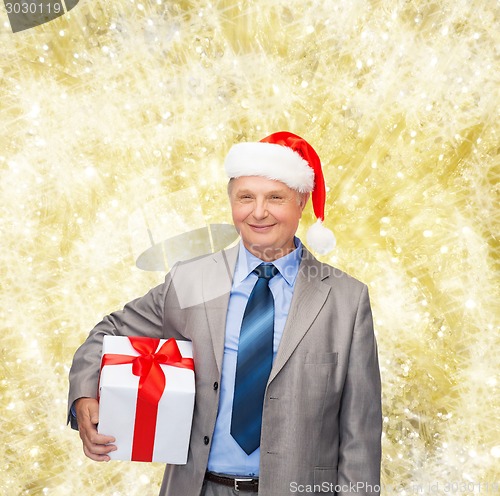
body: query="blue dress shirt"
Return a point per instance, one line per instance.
(226, 455)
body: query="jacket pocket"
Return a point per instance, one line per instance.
(322, 357)
(325, 476)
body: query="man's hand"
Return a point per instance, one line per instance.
(96, 446)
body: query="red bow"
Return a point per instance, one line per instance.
(151, 386)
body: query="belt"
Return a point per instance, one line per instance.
(237, 483)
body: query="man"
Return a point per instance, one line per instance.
(287, 377)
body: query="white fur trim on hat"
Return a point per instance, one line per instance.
(320, 238)
(272, 161)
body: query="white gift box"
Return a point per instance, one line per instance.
(118, 391)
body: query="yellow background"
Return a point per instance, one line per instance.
(120, 103)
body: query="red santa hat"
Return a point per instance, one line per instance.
(288, 158)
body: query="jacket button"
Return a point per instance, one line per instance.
(216, 386)
(206, 440)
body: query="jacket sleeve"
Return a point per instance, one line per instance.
(141, 317)
(361, 412)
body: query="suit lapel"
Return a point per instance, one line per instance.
(308, 298)
(217, 279)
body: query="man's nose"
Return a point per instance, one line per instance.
(260, 210)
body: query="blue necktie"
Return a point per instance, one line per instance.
(254, 362)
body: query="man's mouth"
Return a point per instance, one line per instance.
(259, 228)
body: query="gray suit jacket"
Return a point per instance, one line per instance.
(321, 427)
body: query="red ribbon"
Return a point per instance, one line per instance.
(151, 386)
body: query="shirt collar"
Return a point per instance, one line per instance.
(288, 265)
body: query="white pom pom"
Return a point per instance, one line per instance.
(320, 238)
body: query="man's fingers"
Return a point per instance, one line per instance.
(96, 450)
(95, 446)
(90, 436)
(94, 456)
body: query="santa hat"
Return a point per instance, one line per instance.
(288, 158)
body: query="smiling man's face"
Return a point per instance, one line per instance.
(266, 213)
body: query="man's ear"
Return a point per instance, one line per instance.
(303, 200)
